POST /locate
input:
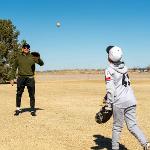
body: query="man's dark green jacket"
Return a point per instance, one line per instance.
(25, 65)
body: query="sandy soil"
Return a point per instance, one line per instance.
(66, 106)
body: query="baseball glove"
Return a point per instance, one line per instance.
(104, 114)
(35, 54)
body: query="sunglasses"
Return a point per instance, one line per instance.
(26, 48)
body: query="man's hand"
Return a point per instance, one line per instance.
(12, 82)
(36, 59)
(35, 54)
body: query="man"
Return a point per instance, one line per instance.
(121, 98)
(25, 63)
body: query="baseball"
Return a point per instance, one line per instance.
(58, 24)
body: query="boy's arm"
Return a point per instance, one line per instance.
(110, 87)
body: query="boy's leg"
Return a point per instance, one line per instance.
(147, 146)
(130, 119)
(118, 119)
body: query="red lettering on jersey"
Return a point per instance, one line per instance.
(107, 78)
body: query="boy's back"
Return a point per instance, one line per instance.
(118, 83)
(120, 96)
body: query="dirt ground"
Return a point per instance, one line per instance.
(66, 106)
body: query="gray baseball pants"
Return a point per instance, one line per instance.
(129, 115)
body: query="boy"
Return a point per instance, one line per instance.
(121, 99)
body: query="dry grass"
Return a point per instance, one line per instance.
(66, 106)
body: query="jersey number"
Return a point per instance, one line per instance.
(125, 80)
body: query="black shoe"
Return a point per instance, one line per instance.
(17, 112)
(33, 113)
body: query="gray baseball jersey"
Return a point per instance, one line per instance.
(119, 91)
(120, 94)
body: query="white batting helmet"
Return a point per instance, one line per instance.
(114, 53)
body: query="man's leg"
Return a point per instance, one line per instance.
(31, 91)
(20, 90)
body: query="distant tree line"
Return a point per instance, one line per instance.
(141, 69)
(9, 48)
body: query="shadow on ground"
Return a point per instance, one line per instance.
(104, 142)
(29, 109)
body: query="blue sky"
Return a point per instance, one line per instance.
(87, 28)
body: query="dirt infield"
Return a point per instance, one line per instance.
(66, 106)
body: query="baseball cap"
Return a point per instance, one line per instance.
(26, 45)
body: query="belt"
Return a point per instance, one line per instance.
(26, 77)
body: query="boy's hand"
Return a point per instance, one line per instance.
(108, 107)
(105, 99)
